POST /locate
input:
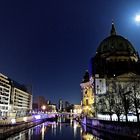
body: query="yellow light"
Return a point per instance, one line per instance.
(87, 107)
(43, 107)
(25, 119)
(13, 121)
(88, 136)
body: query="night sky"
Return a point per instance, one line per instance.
(48, 44)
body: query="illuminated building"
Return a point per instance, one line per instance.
(115, 66)
(77, 109)
(21, 100)
(60, 105)
(87, 96)
(5, 90)
(114, 57)
(15, 99)
(67, 104)
(51, 108)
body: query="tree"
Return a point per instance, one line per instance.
(110, 103)
(131, 97)
(101, 105)
(135, 98)
(104, 104)
(122, 97)
(125, 99)
(118, 106)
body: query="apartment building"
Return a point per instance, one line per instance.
(15, 99)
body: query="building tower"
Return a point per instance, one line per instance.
(60, 105)
(87, 96)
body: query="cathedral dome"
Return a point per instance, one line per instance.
(116, 43)
(116, 47)
(114, 56)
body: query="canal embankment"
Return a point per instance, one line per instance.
(126, 129)
(7, 129)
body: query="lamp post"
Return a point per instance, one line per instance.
(43, 108)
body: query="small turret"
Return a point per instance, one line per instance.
(86, 77)
(113, 30)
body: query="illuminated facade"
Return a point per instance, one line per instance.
(22, 102)
(15, 99)
(5, 90)
(60, 105)
(77, 109)
(51, 108)
(115, 66)
(87, 96)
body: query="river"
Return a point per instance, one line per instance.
(63, 129)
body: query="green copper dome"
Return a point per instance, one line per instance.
(115, 55)
(115, 43)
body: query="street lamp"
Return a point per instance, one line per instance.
(43, 107)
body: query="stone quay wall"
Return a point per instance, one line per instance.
(129, 129)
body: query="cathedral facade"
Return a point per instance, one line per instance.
(115, 73)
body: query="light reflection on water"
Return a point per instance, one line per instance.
(60, 130)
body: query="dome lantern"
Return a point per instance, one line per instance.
(113, 30)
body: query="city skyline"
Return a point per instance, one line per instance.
(49, 44)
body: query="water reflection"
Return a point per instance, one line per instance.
(64, 128)
(87, 134)
(25, 135)
(43, 131)
(53, 126)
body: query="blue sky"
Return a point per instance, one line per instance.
(48, 44)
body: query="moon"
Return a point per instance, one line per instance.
(137, 18)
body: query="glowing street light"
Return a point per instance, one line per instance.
(43, 107)
(25, 119)
(13, 121)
